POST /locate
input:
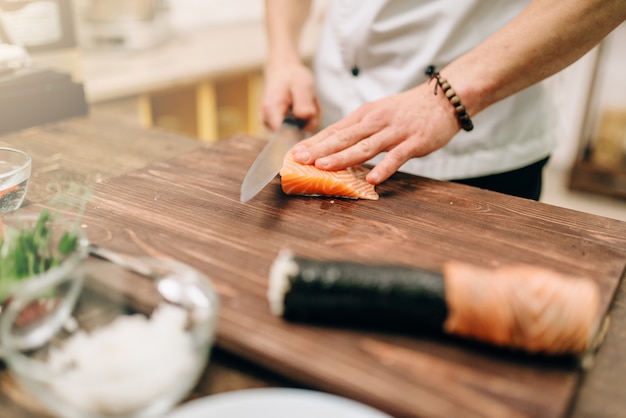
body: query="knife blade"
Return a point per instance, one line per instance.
(270, 159)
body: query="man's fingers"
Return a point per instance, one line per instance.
(393, 160)
(332, 140)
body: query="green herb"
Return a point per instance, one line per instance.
(31, 251)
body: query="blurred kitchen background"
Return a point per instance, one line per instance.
(195, 67)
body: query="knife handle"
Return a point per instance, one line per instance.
(290, 119)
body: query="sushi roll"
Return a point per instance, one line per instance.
(302, 289)
(520, 307)
(307, 290)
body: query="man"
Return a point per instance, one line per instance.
(371, 95)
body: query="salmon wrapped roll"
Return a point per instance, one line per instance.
(519, 307)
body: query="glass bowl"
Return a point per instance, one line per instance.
(38, 247)
(15, 168)
(125, 345)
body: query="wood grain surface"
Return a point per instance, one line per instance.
(188, 208)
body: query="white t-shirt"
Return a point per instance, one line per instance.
(392, 42)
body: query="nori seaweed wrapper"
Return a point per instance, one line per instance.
(369, 295)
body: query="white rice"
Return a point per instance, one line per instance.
(283, 267)
(124, 366)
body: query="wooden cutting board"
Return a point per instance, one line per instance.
(188, 208)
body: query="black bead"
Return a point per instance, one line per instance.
(466, 123)
(355, 71)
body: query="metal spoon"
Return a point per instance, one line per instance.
(177, 284)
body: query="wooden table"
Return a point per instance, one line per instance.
(90, 150)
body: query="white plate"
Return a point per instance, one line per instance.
(275, 403)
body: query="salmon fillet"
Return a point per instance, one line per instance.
(308, 180)
(522, 306)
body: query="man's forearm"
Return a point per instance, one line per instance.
(545, 38)
(284, 20)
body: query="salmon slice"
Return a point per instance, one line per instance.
(522, 306)
(308, 180)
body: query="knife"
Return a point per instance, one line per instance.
(270, 160)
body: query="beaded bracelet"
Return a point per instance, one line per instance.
(461, 114)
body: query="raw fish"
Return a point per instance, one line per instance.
(308, 180)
